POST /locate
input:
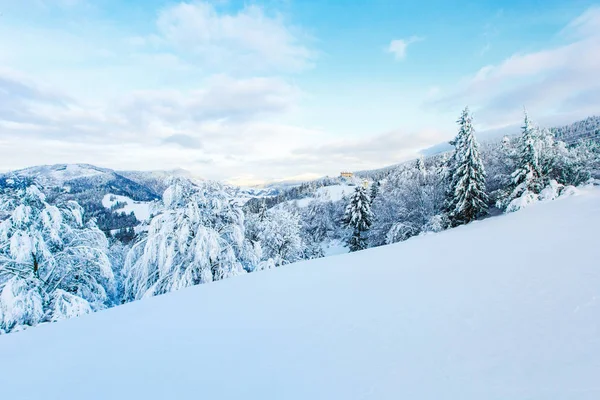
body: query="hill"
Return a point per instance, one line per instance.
(505, 308)
(88, 185)
(587, 129)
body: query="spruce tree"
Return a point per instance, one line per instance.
(374, 190)
(527, 175)
(467, 198)
(359, 217)
(526, 180)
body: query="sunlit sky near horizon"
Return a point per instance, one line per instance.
(258, 91)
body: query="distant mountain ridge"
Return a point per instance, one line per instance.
(88, 184)
(79, 178)
(586, 129)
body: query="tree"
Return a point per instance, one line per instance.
(467, 198)
(197, 237)
(52, 265)
(526, 180)
(359, 217)
(374, 190)
(280, 237)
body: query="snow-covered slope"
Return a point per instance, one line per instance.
(85, 178)
(60, 174)
(506, 308)
(157, 181)
(325, 193)
(141, 209)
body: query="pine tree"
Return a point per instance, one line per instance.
(359, 217)
(374, 190)
(526, 179)
(467, 196)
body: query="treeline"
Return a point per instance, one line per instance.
(55, 262)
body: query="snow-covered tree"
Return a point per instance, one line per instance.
(374, 190)
(280, 237)
(198, 237)
(410, 197)
(526, 180)
(358, 217)
(52, 266)
(467, 197)
(318, 219)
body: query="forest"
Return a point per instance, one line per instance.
(56, 263)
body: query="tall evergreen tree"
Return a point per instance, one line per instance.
(359, 217)
(528, 173)
(374, 190)
(526, 180)
(467, 198)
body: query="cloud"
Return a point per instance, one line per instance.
(183, 140)
(250, 38)
(140, 115)
(365, 153)
(585, 25)
(546, 81)
(398, 46)
(486, 47)
(228, 119)
(222, 98)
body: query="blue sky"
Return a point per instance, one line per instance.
(259, 91)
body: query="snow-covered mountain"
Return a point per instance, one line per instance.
(587, 129)
(157, 181)
(88, 185)
(79, 178)
(505, 308)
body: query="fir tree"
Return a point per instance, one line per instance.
(374, 190)
(528, 172)
(358, 216)
(467, 197)
(526, 179)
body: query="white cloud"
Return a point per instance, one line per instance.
(398, 46)
(548, 81)
(226, 123)
(250, 37)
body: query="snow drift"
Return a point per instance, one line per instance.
(506, 308)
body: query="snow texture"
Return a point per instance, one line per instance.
(326, 193)
(140, 209)
(514, 316)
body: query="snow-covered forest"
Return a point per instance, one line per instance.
(60, 258)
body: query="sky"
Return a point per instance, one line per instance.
(253, 92)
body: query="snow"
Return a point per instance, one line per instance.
(505, 308)
(333, 193)
(57, 175)
(334, 247)
(141, 209)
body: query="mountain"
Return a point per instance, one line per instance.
(79, 178)
(587, 129)
(88, 185)
(157, 181)
(502, 308)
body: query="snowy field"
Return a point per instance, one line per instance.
(327, 193)
(141, 209)
(506, 308)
